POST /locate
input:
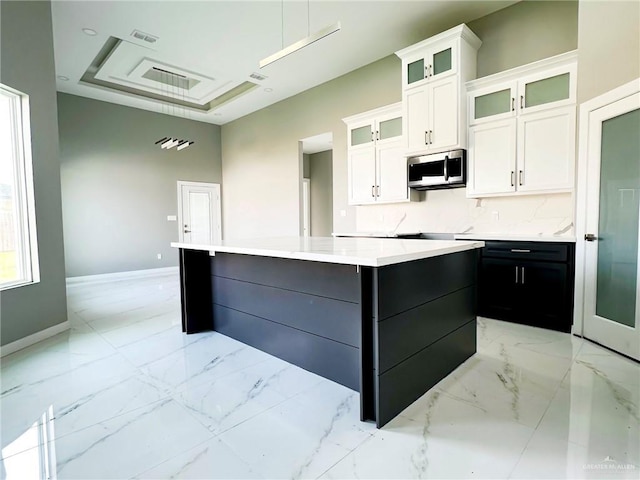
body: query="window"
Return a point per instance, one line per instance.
(18, 247)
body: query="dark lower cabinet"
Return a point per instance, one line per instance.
(527, 282)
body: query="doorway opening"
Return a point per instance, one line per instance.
(316, 185)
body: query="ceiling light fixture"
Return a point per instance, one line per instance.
(63, 78)
(184, 144)
(90, 31)
(300, 44)
(175, 86)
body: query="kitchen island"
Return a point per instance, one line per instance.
(388, 318)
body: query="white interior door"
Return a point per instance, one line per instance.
(611, 278)
(199, 213)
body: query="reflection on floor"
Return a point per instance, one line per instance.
(125, 394)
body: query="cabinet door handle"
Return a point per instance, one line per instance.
(373, 191)
(512, 178)
(522, 279)
(513, 104)
(373, 136)
(430, 137)
(520, 250)
(377, 190)
(377, 135)
(426, 138)
(521, 177)
(516, 274)
(521, 101)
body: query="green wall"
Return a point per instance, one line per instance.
(118, 187)
(27, 64)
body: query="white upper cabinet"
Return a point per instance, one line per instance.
(434, 73)
(522, 127)
(377, 167)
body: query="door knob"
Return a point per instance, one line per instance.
(590, 237)
(187, 231)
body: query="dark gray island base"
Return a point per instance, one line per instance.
(389, 332)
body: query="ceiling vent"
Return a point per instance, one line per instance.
(257, 76)
(144, 36)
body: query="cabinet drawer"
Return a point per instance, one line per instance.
(553, 252)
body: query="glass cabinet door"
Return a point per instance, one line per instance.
(442, 62)
(547, 90)
(492, 104)
(390, 128)
(415, 71)
(361, 135)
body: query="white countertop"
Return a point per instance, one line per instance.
(372, 234)
(516, 238)
(370, 252)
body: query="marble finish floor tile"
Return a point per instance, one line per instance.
(210, 460)
(438, 437)
(122, 446)
(125, 394)
(230, 400)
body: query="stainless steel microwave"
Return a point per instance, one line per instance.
(438, 170)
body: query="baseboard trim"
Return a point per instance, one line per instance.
(33, 339)
(108, 277)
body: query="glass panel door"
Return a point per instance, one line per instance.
(612, 213)
(616, 288)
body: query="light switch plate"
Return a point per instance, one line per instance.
(172, 218)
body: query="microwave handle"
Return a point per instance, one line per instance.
(446, 170)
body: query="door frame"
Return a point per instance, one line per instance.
(306, 207)
(586, 109)
(217, 205)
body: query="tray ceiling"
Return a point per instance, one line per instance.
(200, 59)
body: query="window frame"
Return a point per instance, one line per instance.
(27, 261)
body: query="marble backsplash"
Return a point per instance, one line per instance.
(450, 211)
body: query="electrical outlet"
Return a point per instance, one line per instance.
(159, 256)
(495, 215)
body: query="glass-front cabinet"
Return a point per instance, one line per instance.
(434, 72)
(432, 63)
(377, 167)
(522, 126)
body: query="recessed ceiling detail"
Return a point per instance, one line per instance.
(130, 68)
(170, 79)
